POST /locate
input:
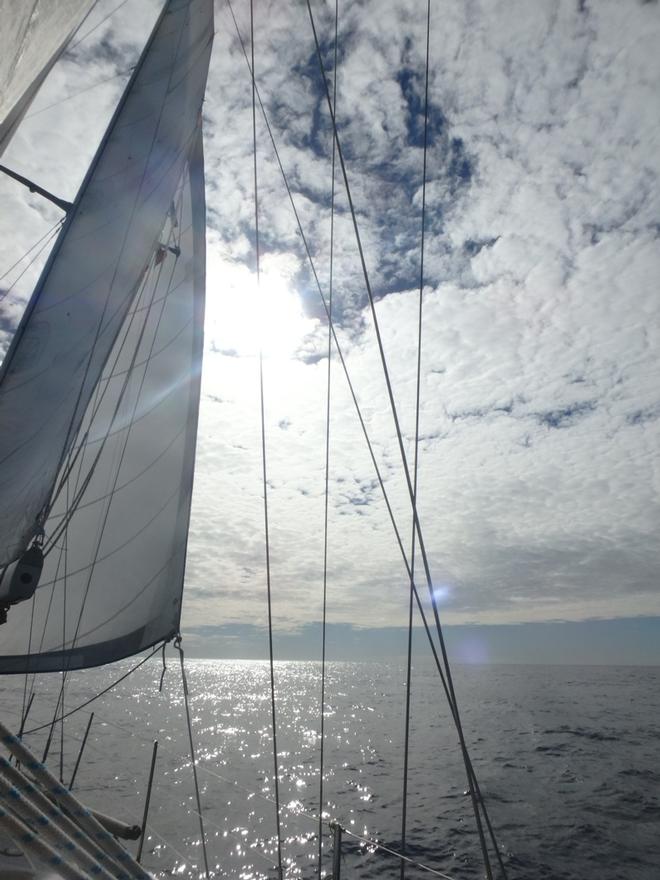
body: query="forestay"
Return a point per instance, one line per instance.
(33, 35)
(116, 536)
(96, 267)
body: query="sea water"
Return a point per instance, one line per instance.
(568, 759)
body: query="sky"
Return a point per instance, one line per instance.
(539, 481)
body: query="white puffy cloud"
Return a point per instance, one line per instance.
(540, 414)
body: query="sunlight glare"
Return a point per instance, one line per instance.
(243, 316)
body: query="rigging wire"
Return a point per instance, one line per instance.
(99, 694)
(327, 464)
(294, 811)
(50, 231)
(472, 780)
(344, 366)
(119, 74)
(72, 47)
(65, 541)
(263, 459)
(406, 747)
(477, 802)
(49, 236)
(96, 26)
(369, 841)
(184, 682)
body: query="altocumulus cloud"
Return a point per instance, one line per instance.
(540, 409)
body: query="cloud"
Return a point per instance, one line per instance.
(539, 419)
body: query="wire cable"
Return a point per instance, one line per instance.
(101, 82)
(96, 26)
(52, 229)
(100, 693)
(447, 686)
(263, 460)
(344, 366)
(327, 464)
(49, 236)
(406, 747)
(184, 682)
(404, 460)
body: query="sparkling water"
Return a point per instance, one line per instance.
(567, 759)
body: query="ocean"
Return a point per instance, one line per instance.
(568, 760)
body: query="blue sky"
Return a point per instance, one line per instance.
(540, 415)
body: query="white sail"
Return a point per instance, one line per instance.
(117, 534)
(96, 267)
(33, 35)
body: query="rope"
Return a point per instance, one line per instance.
(335, 340)
(327, 464)
(404, 799)
(100, 693)
(184, 681)
(263, 460)
(370, 841)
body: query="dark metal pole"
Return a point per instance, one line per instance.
(35, 188)
(336, 850)
(146, 803)
(80, 753)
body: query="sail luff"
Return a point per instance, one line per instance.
(198, 200)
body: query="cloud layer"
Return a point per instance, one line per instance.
(539, 424)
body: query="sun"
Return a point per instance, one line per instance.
(244, 317)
